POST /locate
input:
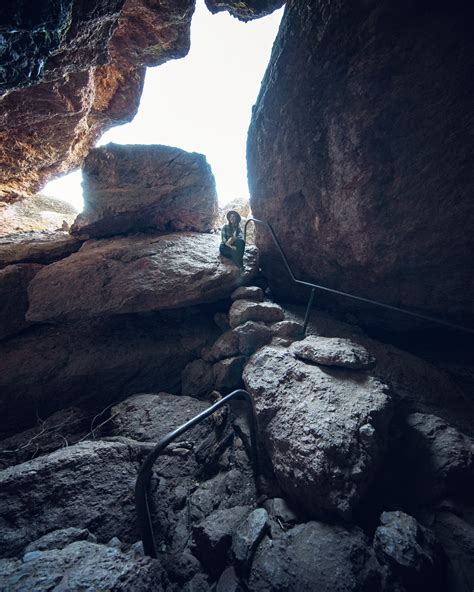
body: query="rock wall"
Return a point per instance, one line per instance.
(360, 152)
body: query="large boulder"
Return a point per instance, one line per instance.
(88, 485)
(325, 429)
(96, 362)
(315, 556)
(135, 274)
(133, 188)
(36, 247)
(360, 153)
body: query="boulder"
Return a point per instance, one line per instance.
(247, 537)
(333, 351)
(357, 154)
(252, 336)
(248, 293)
(288, 330)
(249, 310)
(135, 274)
(315, 556)
(438, 459)
(149, 417)
(58, 539)
(37, 247)
(325, 430)
(228, 373)
(95, 362)
(411, 554)
(226, 346)
(152, 187)
(14, 281)
(245, 11)
(88, 485)
(197, 378)
(81, 565)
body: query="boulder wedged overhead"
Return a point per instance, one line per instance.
(136, 273)
(135, 187)
(360, 152)
(245, 11)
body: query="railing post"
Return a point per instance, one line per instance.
(308, 311)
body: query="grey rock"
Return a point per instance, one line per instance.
(213, 537)
(248, 293)
(277, 508)
(149, 416)
(182, 567)
(198, 583)
(229, 582)
(37, 247)
(14, 281)
(81, 565)
(310, 419)
(226, 346)
(315, 556)
(333, 351)
(135, 187)
(58, 539)
(438, 458)
(288, 329)
(228, 373)
(249, 310)
(221, 319)
(197, 378)
(410, 552)
(87, 486)
(248, 535)
(135, 274)
(252, 336)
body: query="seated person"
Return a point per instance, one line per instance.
(232, 244)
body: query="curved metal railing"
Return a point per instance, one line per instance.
(143, 480)
(346, 294)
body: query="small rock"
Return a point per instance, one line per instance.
(252, 336)
(228, 373)
(199, 583)
(248, 293)
(58, 539)
(277, 508)
(288, 330)
(229, 582)
(248, 310)
(248, 535)
(333, 351)
(197, 378)
(226, 346)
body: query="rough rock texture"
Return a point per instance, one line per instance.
(315, 556)
(438, 459)
(97, 361)
(36, 247)
(94, 57)
(228, 373)
(136, 274)
(245, 11)
(249, 310)
(149, 416)
(226, 346)
(81, 565)
(360, 153)
(134, 187)
(58, 539)
(252, 336)
(248, 535)
(50, 492)
(324, 429)
(248, 293)
(409, 551)
(333, 351)
(197, 378)
(14, 281)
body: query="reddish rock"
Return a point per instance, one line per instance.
(133, 188)
(360, 153)
(36, 247)
(136, 274)
(14, 281)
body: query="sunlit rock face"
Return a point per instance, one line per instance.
(245, 11)
(132, 188)
(81, 71)
(360, 152)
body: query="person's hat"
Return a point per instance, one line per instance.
(236, 214)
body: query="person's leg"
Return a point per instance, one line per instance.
(239, 245)
(226, 251)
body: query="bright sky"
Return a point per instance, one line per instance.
(201, 103)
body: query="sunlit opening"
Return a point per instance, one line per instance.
(201, 103)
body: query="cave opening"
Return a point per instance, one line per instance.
(200, 103)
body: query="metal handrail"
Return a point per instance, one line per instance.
(346, 294)
(143, 480)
